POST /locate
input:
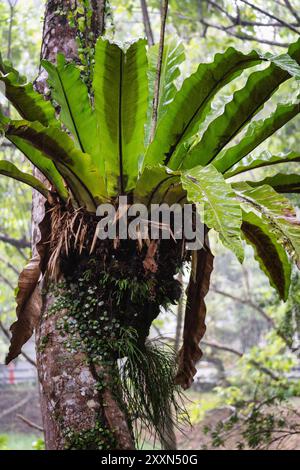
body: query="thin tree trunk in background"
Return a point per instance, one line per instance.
(9, 40)
(70, 401)
(147, 24)
(164, 14)
(11, 19)
(169, 439)
(179, 319)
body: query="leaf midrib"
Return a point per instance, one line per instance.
(203, 103)
(244, 122)
(212, 207)
(120, 124)
(70, 111)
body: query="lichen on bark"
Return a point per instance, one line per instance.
(98, 310)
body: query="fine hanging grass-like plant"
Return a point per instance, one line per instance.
(93, 145)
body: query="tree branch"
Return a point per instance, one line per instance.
(30, 423)
(266, 13)
(256, 364)
(246, 302)
(147, 23)
(222, 347)
(16, 406)
(9, 265)
(221, 9)
(6, 281)
(292, 10)
(243, 37)
(7, 144)
(238, 21)
(260, 311)
(17, 243)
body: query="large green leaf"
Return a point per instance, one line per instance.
(192, 103)
(39, 160)
(158, 185)
(265, 159)
(43, 164)
(269, 253)
(8, 169)
(257, 132)
(221, 210)
(121, 92)
(29, 103)
(277, 211)
(282, 183)
(69, 91)
(287, 62)
(60, 148)
(245, 103)
(78, 189)
(173, 56)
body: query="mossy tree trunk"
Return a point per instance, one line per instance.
(98, 306)
(76, 414)
(79, 408)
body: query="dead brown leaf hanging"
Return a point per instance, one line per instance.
(28, 297)
(194, 322)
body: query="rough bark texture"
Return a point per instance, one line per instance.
(68, 394)
(58, 36)
(98, 19)
(70, 402)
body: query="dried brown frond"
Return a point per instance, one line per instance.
(28, 297)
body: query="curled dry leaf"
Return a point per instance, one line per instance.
(23, 328)
(28, 297)
(194, 322)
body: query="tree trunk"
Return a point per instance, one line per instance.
(75, 413)
(179, 318)
(147, 24)
(99, 300)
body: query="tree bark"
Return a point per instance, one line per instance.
(98, 19)
(72, 407)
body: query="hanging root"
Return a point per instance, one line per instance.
(72, 229)
(150, 392)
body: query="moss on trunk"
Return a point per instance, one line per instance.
(101, 310)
